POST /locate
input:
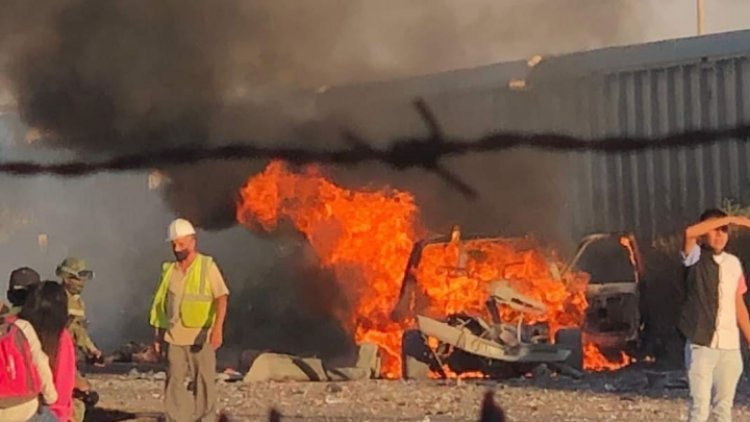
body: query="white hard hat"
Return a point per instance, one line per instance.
(179, 228)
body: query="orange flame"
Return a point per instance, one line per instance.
(454, 286)
(365, 238)
(596, 361)
(453, 375)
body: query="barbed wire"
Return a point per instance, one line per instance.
(411, 152)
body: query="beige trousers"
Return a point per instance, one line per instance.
(190, 394)
(79, 410)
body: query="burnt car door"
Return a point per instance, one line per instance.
(613, 261)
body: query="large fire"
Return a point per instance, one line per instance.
(464, 290)
(365, 238)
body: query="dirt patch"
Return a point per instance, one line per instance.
(626, 395)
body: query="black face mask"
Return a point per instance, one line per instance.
(181, 255)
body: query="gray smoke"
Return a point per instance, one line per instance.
(101, 77)
(105, 76)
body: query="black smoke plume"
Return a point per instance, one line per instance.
(104, 76)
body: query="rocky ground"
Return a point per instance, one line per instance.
(629, 395)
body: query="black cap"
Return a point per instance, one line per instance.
(23, 278)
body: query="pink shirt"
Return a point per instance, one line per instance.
(64, 374)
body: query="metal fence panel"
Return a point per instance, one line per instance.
(650, 90)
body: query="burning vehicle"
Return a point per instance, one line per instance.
(614, 263)
(467, 344)
(518, 337)
(533, 307)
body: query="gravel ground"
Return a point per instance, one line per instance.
(624, 396)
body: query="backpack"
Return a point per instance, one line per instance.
(19, 379)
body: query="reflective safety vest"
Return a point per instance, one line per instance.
(196, 303)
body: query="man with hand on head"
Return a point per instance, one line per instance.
(713, 315)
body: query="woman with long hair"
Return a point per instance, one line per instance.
(46, 308)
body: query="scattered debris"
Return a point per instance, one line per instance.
(568, 370)
(534, 60)
(517, 84)
(659, 380)
(560, 400)
(230, 375)
(334, 388)
(541, 371)
(43, 241)
(150, 375)
(157, 179)
(632, 382)
(330, 399)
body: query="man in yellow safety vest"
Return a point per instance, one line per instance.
(188, 314)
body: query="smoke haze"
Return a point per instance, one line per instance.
(99, 77)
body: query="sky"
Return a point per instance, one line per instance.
(677, 18)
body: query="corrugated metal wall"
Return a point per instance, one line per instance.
(649, 90)
(656, 192)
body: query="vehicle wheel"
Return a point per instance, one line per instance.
(416, 356)
(570, 338)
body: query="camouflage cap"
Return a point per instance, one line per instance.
(23, 278)
(75, 267)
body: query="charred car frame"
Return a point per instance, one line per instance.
(466, 343)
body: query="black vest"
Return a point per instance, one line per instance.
(701, 306)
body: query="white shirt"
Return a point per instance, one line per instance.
(731, 281)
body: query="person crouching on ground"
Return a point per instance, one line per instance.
(188, 313)
(713, 313)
